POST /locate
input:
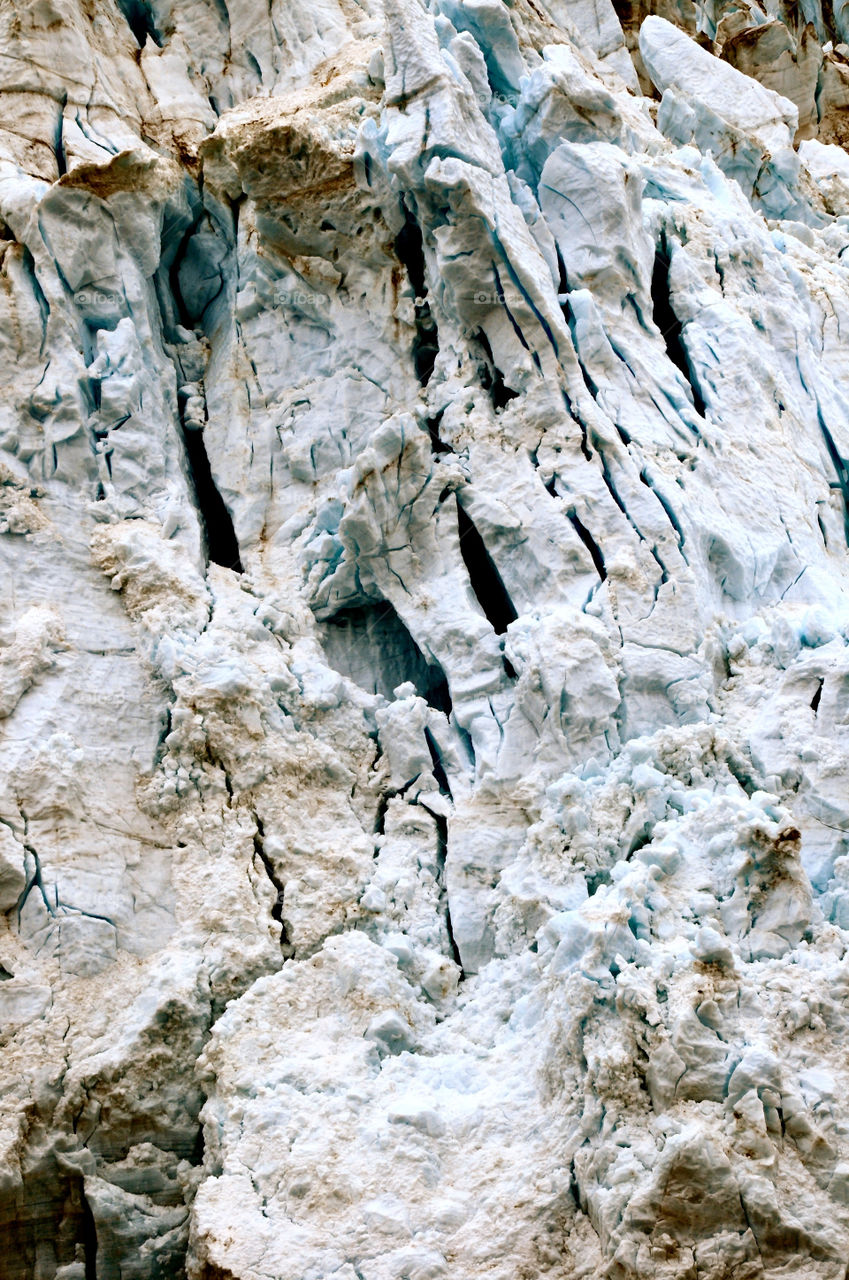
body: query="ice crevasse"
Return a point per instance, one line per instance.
(424, 643)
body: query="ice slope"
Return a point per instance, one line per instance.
(424, 826)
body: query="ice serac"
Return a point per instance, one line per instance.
(424, 651)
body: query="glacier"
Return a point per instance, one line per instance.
(424, 650)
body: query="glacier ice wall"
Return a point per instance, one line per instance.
(424, 645)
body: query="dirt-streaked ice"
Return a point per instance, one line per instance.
(424, 651)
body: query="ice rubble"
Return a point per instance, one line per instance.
(424, 838)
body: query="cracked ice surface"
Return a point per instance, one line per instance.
(424, 657)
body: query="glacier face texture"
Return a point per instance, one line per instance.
(424, 674)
